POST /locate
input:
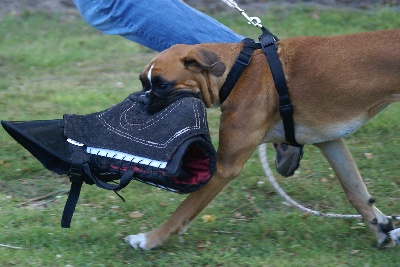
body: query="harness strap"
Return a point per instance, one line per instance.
(76, 185)
(268, 43)
(125, 179)
(70, 205)
(242, 60)
(79, 171)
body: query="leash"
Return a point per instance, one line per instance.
(268, 44)
(262, 153)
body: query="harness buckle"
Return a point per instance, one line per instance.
(243, 58)
(267, 38)
(286, 110)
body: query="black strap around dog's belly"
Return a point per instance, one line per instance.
(268, 43)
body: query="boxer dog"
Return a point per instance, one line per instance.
(336, 84)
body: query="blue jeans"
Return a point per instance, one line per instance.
(156, 24)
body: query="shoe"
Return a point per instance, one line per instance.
(287, 158)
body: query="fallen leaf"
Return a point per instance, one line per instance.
(136, 214)
(368, 155)
(237, 215)
(281, 233)
(354, 252)
(119, 221)
(314, 16)
(120, 85)
(268, 232)
(208, 218)
(5, 163)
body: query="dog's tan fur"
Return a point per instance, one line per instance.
(335, 83)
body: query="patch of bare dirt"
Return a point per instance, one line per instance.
(19, 7)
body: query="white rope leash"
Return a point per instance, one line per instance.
(262, 152)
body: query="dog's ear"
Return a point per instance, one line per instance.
(199, 59)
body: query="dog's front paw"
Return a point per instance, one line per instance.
(137, 241)
(395, 235)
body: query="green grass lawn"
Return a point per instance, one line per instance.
(50, 66)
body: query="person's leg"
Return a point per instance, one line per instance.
(156, 24)
(159, 24)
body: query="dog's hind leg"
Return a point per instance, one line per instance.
(340, 159)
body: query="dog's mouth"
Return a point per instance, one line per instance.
(154, 101)
(157, 93)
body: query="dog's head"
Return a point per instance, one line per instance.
(185, 68)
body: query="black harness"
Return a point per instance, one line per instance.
(268, 44)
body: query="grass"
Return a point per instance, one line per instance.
(50, 66)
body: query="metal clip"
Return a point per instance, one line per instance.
(255, 21)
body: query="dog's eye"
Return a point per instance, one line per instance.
(161, 85)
